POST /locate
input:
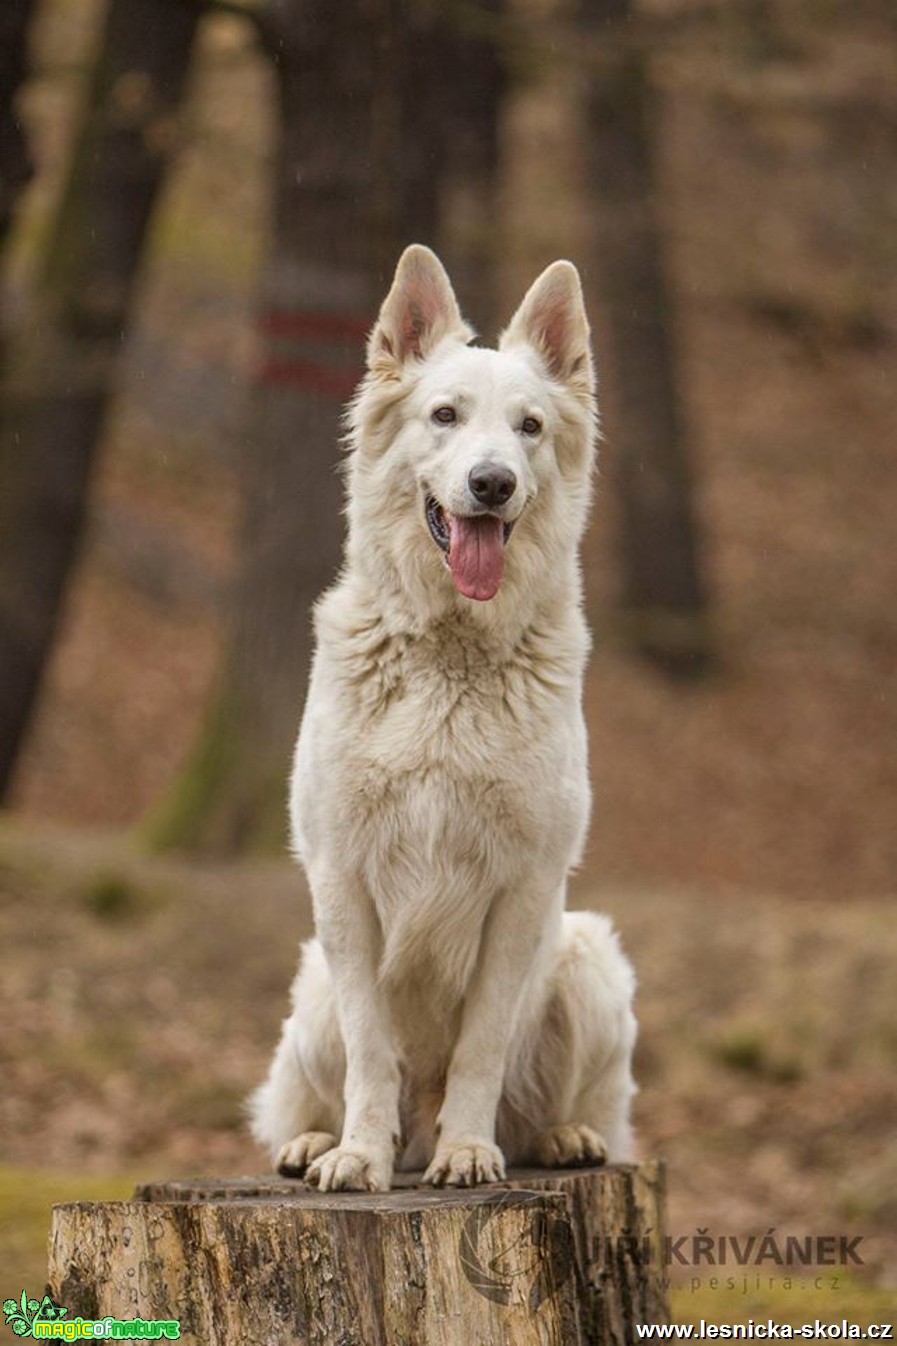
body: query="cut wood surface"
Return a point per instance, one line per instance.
(567, 1257)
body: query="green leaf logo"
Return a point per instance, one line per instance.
(21, 1315)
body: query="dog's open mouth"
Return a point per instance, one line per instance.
(474, 548)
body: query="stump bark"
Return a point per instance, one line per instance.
(566, 1258)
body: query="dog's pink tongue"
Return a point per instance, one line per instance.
(476, 555)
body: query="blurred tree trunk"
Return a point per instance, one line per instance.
(60, 369)
(462, 147)
(665, 600)
(316, 301)
(15, 161)
(363, 128)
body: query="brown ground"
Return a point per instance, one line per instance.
(744, 835)
(144, 998)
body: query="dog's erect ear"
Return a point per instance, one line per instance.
(418, 312)
(552, 320)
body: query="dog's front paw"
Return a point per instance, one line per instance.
(569, 1147)
(295, 1157)
(465, 1162)
(351, 1169)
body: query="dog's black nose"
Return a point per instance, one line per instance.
(491, 484)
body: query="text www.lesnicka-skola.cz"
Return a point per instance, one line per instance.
(765, 1331)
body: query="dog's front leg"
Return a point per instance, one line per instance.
(349, 931)
(466, 1152)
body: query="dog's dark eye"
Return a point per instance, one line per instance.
(531, 425)
(445, 415)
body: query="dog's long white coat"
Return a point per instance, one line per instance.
(450, 1013)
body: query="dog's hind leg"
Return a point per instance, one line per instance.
(297, 1113)
(573, 1077)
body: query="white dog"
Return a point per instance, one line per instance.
(450, 1013)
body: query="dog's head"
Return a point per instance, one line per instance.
(471, 467)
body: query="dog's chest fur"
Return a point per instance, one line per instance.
(451, 768)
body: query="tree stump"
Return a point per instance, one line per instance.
(566, 1257)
